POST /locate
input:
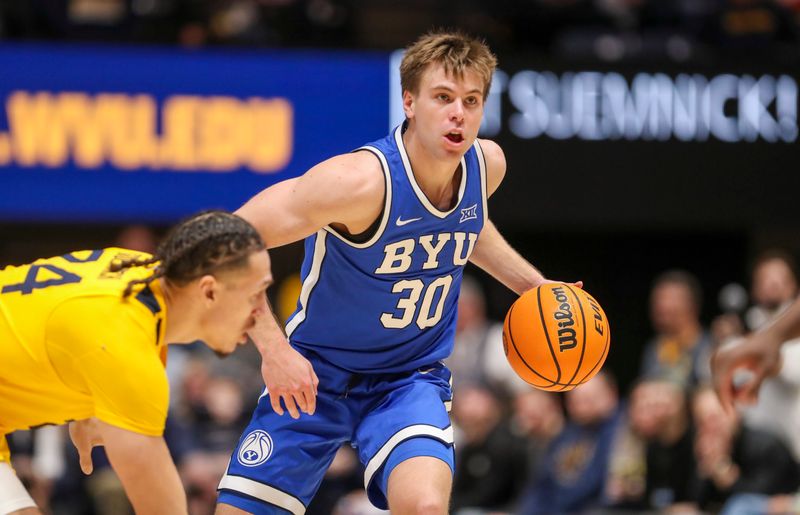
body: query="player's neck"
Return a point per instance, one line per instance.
(180, 320)
(434, 175)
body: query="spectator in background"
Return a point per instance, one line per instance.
(218, 423)
(658, 414)
(774, 287)
(490, 461)
(342, 479)
(733, 459)
(478, 355)
(207, 416)
(538, 417)
(681, 348)
(187, 403)
(137, 237)
(625, 479)
(573, 474)
(38, 460)
(752, 25)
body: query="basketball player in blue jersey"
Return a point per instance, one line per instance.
(388, 229)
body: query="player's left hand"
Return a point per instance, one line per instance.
(85, 435)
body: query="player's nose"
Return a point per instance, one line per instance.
(457, 110)
(262, 307)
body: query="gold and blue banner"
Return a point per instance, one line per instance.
(152, 134)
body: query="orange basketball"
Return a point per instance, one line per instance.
(556, 336)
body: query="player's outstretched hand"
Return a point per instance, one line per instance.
(289, 378)
(759, 354)
(85, 435)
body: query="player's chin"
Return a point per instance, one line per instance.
(223, 353)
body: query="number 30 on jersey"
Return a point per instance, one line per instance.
(427, 317)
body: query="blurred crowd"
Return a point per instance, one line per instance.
(662, 445)
(606, 29)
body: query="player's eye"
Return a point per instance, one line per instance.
(443, 97)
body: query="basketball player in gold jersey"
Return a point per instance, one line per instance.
(83, 340)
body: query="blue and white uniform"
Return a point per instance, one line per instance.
(375, 318)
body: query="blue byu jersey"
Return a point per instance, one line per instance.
(389, 304)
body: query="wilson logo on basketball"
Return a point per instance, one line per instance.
(565, 321)
(556, 336)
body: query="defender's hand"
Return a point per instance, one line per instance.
(85, 435)
(759, 354)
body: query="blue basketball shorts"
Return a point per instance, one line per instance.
(279, 462)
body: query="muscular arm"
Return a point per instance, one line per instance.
(142, 462)
(494, 255)
(346, 190)
(492, 252)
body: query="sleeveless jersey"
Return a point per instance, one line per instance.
(71, 347)
(389, 304)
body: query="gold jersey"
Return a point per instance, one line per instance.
(71, 347)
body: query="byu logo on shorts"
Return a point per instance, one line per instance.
(256, 448)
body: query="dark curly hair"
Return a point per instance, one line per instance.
(207, 242)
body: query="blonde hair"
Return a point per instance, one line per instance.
(456, 51)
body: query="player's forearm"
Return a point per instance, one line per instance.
(494, 255)
(160, 493)
(267, 333)
(786, 326)
(146, 470)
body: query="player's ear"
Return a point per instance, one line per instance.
(208, 288)
(408, 104)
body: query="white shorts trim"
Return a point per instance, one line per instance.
(445, 435)
(13, 495)
(264, 492)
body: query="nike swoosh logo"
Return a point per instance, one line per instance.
(399, 222)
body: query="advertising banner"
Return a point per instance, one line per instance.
(619, 147)
(152, 134)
